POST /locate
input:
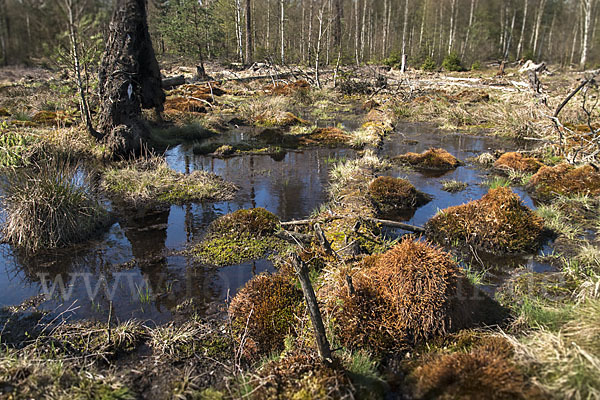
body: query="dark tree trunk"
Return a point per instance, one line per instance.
(337, 23)
(129, 79)
(248, 33)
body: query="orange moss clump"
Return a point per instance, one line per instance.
(326, 136)
(255, 221)
(288, 89)
(388, 193)
(513, 161)
(265, 311)
(184, 105)
(498, 223)
(565, 179)
(406, 295)
(52, 118)
(432, 159)
(205, 90)
(470, 96)
(485, 372)
(302, 375)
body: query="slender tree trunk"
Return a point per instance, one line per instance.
(538, 24)
(575, 35)
(318, 50)
(3, 33)
(587, 12)
(337, 23)
(238, 29)
(452, 22)
(510, 35)
(356, 33)
(268, 38)
(523, 23)
(363, 29)
(423, 22)
(74, 37)
(249, 47)
(404, 25)
(281, 29)
(384, 31)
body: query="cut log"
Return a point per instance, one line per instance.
(173, 81)
(394, 224)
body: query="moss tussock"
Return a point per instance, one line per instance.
(395, 194)
(497, 223)
(240, 236)
(432, 159)
(565, 179)
(513, 161)
(402, 297)
(265, 310)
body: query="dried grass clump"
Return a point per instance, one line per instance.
(514, 161)
(327, 136)
(402, 297)
(302, 375)
(482, 373)
(264, 311)
(390, 193)
(432, 159)
(498, 223)
(151, 180)
(53, 118)
(565, 360)
(51, 205)
(566, 180)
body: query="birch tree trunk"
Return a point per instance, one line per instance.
(466, 42)
(587, 8)
(452, 22)
(238, 29)
(510, 35)
(281, 29)
(423, 22)
(523, 23)
(403, 67)
(538, 24)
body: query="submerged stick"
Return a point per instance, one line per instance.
(313, 309)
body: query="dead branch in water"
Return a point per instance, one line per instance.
(385, 222)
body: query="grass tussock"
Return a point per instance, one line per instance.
(264, 311)
(453, 186)
(151, 180)
(432, 159)
(497, 223)
(566, 180)
(563, 357)
(388, 194)
(514, 161)
(402, 297)
(51, 205)
(270, 111)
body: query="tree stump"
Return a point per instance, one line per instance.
(129, 79)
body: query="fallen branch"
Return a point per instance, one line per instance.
(394, 224)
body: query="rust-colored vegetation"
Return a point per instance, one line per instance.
(289, 88)
(256, 221)
(402, 297)
(329, 136)
(302, 375)
(52, 118)
(565, 179)
(432, 159)
(388, 193)
(174, 105)
(514, 161)
(264, 312)
(497, 223)
(484, 372)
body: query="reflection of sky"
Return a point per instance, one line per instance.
(291, 189)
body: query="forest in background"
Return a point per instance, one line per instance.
(315, 31)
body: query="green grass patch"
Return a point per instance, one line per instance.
(151, 180)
